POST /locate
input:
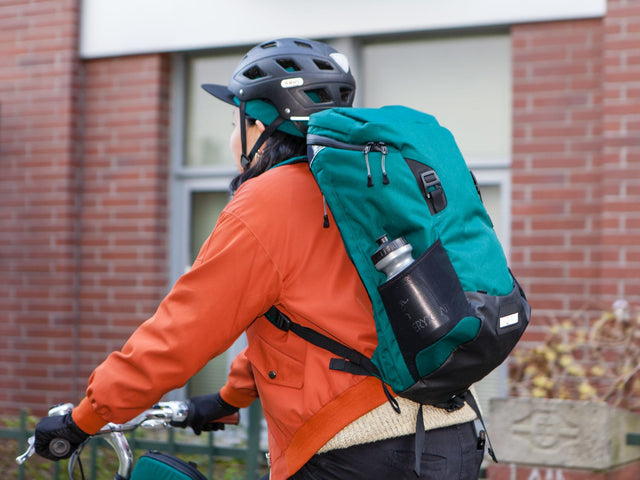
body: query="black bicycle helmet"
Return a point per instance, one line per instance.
(282, 82)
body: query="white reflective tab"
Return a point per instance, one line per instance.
(509, 320)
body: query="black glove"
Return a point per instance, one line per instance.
(58, 437)
(203, 410)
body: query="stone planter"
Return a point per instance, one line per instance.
(562, 433)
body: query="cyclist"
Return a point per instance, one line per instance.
(270, 247)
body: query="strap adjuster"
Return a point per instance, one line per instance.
(430, 179)
(338, 364)
(279, 319)
(432, 191)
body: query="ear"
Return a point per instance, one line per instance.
(260, 126)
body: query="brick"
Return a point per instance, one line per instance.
(568, 130)
(585, 114)
(558, 256)
(584, 145)
(556, 288)
(534, 85)
(589, 83)
(560, 69)
(563, 224)
(632, 223)
(527, 115)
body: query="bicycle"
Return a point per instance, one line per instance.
(159, 416)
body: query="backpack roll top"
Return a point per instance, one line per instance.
(413, 140)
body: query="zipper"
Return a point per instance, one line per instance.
(319, 140)
(325, 223)
(367, 149)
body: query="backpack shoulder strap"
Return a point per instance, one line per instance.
(350, 360)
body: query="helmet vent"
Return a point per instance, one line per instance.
(254, 73)
(345, 94)
(318, 95)
(322, 65)
(288, 65)
(269, 45)
(302, 44)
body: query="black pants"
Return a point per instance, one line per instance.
(449, 453)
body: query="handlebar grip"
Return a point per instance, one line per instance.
(59, 447)
(232, 419)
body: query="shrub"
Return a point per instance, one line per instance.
(583, 359)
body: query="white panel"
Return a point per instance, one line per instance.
(465, 82)
(120, 27)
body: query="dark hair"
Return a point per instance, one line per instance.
(279, 147)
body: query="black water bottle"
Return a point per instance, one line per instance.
(423, 299)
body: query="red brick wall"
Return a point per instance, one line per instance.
(124, 269)
(557, 157)
(83, 189)
(38, 193)
(621, 152)
(576, 161)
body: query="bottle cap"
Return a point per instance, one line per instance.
(386, 247)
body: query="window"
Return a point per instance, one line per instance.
(208, 120)
(465, 82)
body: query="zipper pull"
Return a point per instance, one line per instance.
(384, 151)
(367, 149)
(325, 224)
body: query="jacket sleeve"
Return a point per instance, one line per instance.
(240, 389)
(232, 282)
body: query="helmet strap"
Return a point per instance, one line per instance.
(243, 136)
(245, 159)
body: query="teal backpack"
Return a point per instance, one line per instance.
(393, 177)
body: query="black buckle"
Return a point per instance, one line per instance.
(281, 321)
(338, 364)
(430, 179)
(482, 440)
(433, 192)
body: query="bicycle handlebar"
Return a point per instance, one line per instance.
(159, 416)
(58, 446)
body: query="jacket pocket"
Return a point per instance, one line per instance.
(274, 365)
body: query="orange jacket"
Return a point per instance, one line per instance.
(268, 248)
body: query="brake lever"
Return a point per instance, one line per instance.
(30, 451)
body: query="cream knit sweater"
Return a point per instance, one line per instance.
(383, 422)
